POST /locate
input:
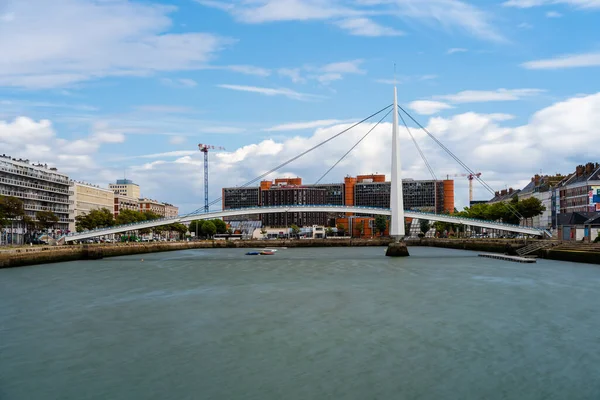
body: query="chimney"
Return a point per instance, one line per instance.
(497, 194)
(511, 190)
(589, 168)
(503, 192)
(579, 170)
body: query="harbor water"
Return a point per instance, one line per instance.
(318, 323)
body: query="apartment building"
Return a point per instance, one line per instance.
(580, 191)
(41, 188)
(122, 202)
(87, 197)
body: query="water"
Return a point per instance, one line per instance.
(303, 324)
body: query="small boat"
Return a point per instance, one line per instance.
(271, 250)
(253, 253)
(267, 253)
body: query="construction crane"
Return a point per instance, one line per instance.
(470, 177)
(205, 148)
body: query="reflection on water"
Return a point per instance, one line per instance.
(303, 324)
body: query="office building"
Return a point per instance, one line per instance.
(87, 197)
(40, 187)
(363, 190)
(122, 202)
(125, 187)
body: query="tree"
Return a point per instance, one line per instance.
(329, 231)
(531, 207)
(360, 228)
(380, 224)
(424, 226)
(295, 230)
(11, 207)
(341, 229)
(209, 228)
(129, 217)
(46, 219)
(150, 216)
(196, 227)
(99, 218)
(178, 227)
(220, 225)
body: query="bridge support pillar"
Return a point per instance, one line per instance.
(397, 249)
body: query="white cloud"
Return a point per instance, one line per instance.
(56, 43)
(565, 61)
(289, 93)
(506, 154)
(478, 96)
(367, 27)
(108, 137)
(176, 153)
(428, 107)
(553, 14)
(525, 25)
(293, 73)
(456, 50)
(406, 79)
(536, 3)
(177, 139)
(357, 16)
(245, 69)
(179, 83)
(324, 74)
(293, 126)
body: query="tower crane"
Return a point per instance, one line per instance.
(205, 148)
(470, 177)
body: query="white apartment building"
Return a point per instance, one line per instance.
(87, 197)
(41, 188)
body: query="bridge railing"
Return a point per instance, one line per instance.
(139, 225)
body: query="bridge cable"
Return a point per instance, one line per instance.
(418, 147)
(197, 211)
(458, 160)
(352, 148)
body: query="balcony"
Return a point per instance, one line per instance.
(35, 175)
(22, 183)
(33, 196)
(35, 207)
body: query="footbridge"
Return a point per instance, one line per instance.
(305, 208)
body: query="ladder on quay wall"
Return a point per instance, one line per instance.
(533, 248)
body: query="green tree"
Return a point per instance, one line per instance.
(150, 215)
(531, 207)
(341, 229)
(46, 219)
(424, 226)
(11, 207)
(129, 217)
(380, 224)
(196, 227)
(178, 227)
(295, 230)
(209, 229)
(329, 231)
(220, 225)
(360, 228)
(99, 218)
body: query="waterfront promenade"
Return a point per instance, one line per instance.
(25, 255)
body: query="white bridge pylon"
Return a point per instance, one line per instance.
(301, 208)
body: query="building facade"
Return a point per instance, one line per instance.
(165, 210)
(286, 195)
(171, 211)
(39, 187)
(363, 190)
(125, 203)
(580, 191)
(87, 197)
(125, 187)
(543, 189)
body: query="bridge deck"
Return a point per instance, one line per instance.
(310, 208)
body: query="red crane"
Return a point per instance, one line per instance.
(204, 148)
(470, 177)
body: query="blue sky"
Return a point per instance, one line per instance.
(113, 87)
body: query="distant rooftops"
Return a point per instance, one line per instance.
(26, 162)
(125, 182)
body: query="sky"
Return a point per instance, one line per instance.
(106, 89)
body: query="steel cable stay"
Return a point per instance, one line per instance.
(458, 160)
(418, 148)
(197, 211)
(353, 147)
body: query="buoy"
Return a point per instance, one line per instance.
(142, 260)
